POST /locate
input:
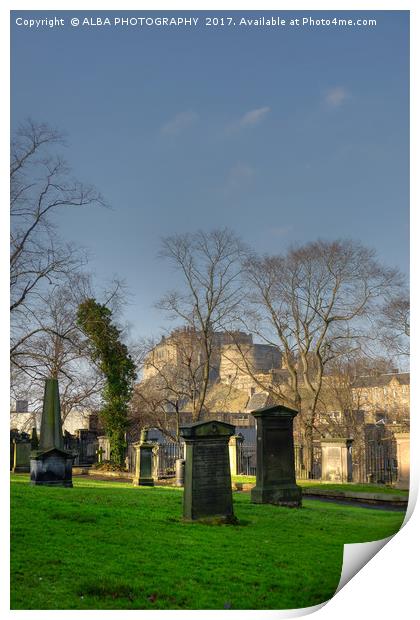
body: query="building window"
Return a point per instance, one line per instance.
(21, 406)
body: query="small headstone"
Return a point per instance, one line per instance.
(21, 456)
(144, 461)
(50, 463)
(276, 478)
(207, 484)
(336, 459)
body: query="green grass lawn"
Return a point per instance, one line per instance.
(351, 486)
(109, 545)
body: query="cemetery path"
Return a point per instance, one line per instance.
(102, 478)
(388, 506)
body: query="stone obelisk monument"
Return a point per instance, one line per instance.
(50, 463)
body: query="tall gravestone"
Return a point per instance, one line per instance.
(207, 483)
(51, 464)
(276, 479)
(336, 459)
(144, 461)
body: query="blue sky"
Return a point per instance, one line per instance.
(283, 134)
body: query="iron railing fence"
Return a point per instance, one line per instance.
(374, 457)
(247, 459)
(381, 464)
(164, 457)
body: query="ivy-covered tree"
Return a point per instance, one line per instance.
(119, 371)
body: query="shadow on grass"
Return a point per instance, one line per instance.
(107, 589)
(209, 521)
(76, 517)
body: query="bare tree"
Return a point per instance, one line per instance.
(172, 376)
(394, 324)
(41, 186)
(172, 379)
(55, 348)
(209, 264)
(315, 303)
(157, 398)
(153, 406)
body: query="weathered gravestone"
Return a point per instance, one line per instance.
(21, 455)
(336, 459)
(144, 461)
(276, 479)
(207, 484)
(50, 463)
(86, 442)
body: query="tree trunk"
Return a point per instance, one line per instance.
(309, 450)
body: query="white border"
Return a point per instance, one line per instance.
(387, 586)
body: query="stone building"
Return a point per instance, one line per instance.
(383, 397)
(247, 375)
(248, 365)
(233, 356)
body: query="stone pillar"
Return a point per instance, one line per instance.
(336, 459)
(235, 443)
(21, 456)
(207, 484)
(144, 461)
(179, 472)
(403, 458)
(299, 464)
(276, 479)
(155, 461)
(50, 463)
